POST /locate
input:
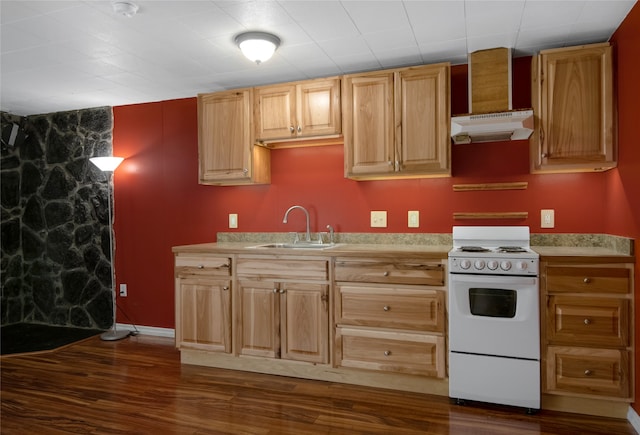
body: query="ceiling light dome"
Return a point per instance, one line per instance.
(258, 47)
(127, 9)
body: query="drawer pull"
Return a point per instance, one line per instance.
(225, 288)
(200, 266)
(282, 291)
(387, 352)
(586, 280)
(275, 290)
(587, 321)
(386, 308)
(588, 372)
(386, 274)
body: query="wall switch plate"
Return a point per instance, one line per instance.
(233, 220)
(413, 219)
(378, 219)
(123, 290)
(547, 219)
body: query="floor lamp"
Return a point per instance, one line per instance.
(109, 165)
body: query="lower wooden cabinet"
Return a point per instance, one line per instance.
(390, 316)
(587, 347)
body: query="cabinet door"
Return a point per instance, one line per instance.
(305, 322)
(368, 124)
(573, 98)
(258, 329)
(224, 136)
(275, 112)
(204, 315)
(422, 104)
(318, 108)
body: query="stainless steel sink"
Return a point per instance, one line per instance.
(299, 245)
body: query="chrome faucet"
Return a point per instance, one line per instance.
(284, 221)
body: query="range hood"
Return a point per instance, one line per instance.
(491, 117)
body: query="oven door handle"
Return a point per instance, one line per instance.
(491, 279)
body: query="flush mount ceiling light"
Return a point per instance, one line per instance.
(126, 9)
(258, 47)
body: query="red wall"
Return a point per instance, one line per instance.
(159, 204)
(623, 185)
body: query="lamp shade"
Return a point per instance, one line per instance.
(258, 47)
(107, 164)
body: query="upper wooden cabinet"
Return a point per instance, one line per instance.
(396, 123)
(572, 98)
(227, 154)
(297, 110)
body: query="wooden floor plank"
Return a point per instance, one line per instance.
(138, 386)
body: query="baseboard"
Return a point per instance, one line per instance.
(634, 419)
(148, 330)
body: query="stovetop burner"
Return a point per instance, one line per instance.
(511, 249)
(473, 249)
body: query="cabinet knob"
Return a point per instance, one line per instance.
(386, 274)
(200, 266)
(386, 308)
(291, 129)
(245, 170)
(587, 321)
(543, 155)
(387, 352)
(586, 280)
(282, 291)
(225, 288)
(275, 290)
(587, 372)
(299, 129)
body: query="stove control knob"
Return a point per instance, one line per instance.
(479, 264)
(465, 264)
(521, 265)
(492, 264)
(505, 265)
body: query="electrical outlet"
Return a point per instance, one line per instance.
(123, 290)
(547, 219)
(233, 220)
(378, 219)
(413, 219)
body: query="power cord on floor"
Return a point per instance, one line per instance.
(135, 328)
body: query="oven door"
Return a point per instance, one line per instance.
(494, 315)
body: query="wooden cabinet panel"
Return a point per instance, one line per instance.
(186, 265)
(408, 353)
(588, 320)
(406, 271)
(289, 268)
(574, 105)
(305, 322)
(602, 372)
(298, 110)
(204, 319)
(570, 279)
(258, 327)
(227, 154)
(401, 308)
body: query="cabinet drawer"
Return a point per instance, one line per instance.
(602, 372)
(392, 272)
(588, 320)
(407, 353)
(202, 265)
(401, 308)
(568, 279)
(284, 268)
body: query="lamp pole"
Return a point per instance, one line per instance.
(108, 165)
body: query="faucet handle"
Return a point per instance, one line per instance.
(330, 228)
(296, 237)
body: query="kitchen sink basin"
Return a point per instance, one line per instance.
(299, 245)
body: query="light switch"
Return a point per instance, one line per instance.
(413, 219)
(233, 220)
(378, 219)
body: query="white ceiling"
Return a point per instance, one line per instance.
(67, 55)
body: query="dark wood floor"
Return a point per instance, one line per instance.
(138, 386)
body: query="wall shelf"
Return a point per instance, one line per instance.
(492, 215)
(490, 186)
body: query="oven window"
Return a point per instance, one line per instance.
(492, 302)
